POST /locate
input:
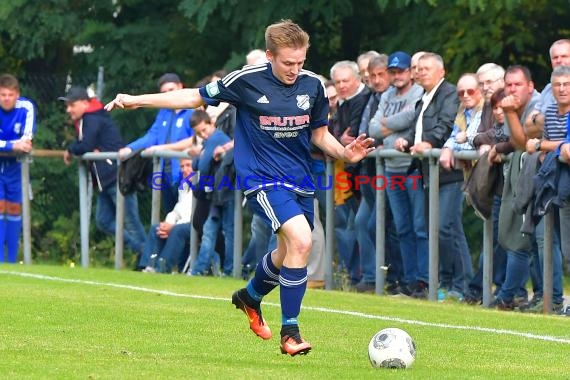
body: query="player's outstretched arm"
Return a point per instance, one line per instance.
(184, 98)
(353, 152)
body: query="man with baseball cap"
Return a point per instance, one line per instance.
(394, 119)
(96, 132)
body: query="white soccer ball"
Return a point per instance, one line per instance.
(392, 348)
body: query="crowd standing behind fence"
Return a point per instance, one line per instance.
(526, 137)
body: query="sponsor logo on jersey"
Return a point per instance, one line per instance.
(303, 102)
(263, 100)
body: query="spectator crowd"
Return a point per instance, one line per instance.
(402, 100)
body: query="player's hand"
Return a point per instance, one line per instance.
(22, 146)
(121, 101)
(358, 149)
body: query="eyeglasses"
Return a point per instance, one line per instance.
(489, 82)
(468, 92)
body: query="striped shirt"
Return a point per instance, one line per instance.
(554, 124)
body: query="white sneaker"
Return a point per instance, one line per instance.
(149, 270)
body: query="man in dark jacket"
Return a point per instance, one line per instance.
(96, 132)
(435, 115)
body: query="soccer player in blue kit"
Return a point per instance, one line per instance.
(281, 109)
(17, 126)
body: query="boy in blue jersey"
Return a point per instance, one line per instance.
(281, 109)
(169, 126)
(17, 126)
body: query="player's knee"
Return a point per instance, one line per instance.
(303, 244)
(13, 208)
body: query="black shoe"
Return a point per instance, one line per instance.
(405, 290)
(392, 289)
(365, 287)
(501, 304)
(421, 290)
(472, 298)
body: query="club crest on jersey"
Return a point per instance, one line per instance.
(212, 89)
(303, 102)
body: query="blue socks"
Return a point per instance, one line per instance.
(2, 236)
(13, 228)
(266, 278)
(293, 283)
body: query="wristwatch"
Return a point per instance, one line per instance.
(537, 145)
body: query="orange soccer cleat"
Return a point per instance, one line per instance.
(294, 345)
(256, 322)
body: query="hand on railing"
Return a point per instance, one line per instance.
(23, 145)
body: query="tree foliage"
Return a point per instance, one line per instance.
(135, 41)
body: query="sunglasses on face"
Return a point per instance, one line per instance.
(468, 92)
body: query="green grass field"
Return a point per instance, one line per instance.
(72, 323)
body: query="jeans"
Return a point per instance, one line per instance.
(222, 218)
(173, 250)
(346, 239)
(408, 211)
(258, 244)
(134, 233)
(565, 235)
(456, 269)
(557, 285)
(364, 236)
(517, 273)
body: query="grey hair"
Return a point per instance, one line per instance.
(346, 65)
(434, 56)
(381, 60)
(560, 71)
(367, 55)
(563, 41)
(495, 70)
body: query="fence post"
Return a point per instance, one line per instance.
(119, 222)
(238, 232)
(433, 226)
(329, 224)
(100, 82)
(547, 267)
(380, 225)
(83, 214)
(155, 202)
(488, 260)
(26, 219)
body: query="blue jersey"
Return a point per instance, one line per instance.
(168, 127)
(19, 121)
(274, 125)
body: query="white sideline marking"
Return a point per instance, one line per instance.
(313, 308)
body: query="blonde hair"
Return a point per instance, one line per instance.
(285, 34)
